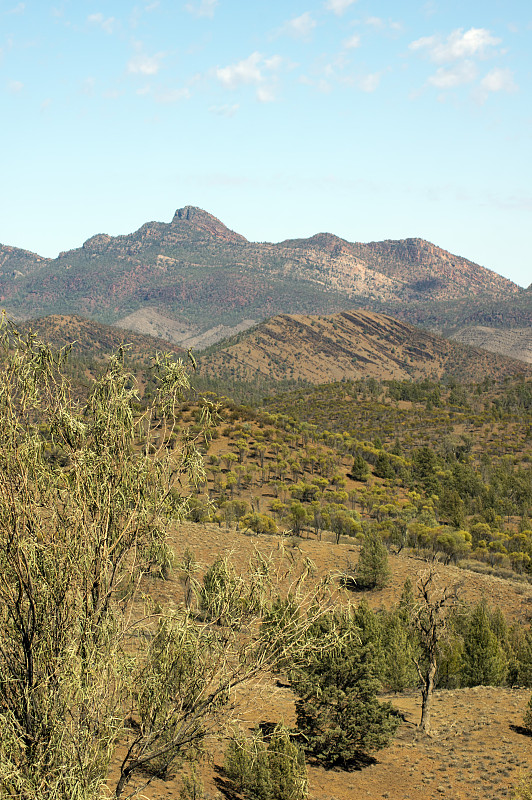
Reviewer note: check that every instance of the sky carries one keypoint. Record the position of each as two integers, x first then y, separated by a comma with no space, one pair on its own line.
370,119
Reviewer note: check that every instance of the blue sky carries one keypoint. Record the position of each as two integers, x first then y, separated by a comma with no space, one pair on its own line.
371,119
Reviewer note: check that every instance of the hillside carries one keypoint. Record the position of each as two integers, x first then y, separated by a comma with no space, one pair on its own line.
93,340
348,345
516,343
195,281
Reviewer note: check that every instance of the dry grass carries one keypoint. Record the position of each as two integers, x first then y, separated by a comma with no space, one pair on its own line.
477,750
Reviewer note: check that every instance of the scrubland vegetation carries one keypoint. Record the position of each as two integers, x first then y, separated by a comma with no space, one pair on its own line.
105,689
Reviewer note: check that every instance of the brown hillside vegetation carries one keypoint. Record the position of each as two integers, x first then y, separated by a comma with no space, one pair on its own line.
92,339
477,750
349,345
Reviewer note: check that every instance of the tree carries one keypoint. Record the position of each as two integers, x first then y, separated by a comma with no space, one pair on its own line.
484,662
87,490
360,469
435,602
371,571
338,714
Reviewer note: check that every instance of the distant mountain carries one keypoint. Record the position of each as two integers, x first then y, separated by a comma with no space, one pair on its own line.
516,342
194,281
350,345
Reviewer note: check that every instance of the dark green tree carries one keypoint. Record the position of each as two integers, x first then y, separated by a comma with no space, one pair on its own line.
372,571
360,469
338,713
484,661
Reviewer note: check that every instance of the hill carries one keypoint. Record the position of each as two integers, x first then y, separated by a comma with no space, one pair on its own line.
194,280
348,345
92,340
516,342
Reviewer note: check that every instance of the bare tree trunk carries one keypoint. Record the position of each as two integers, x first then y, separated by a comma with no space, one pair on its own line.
426,697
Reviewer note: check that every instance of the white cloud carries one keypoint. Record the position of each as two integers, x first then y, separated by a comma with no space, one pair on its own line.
243,72
352,42
202,8
108,25
449,78
499,80
225,110
265,94
300,27
369,83
15,86
375,22
87,86
338,6
152,6
19,9
459,44
168,96
142,64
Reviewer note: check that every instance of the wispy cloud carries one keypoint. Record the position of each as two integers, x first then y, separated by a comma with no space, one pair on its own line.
370,82
499,80
255,70
266,94
18,9
300,27
107,24
338,6
14,87
352,42
242,73
169,96
450,77
225,110
496,80
460,44
143,64
202,8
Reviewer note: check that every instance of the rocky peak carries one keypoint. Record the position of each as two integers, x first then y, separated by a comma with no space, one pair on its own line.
98,242
203,221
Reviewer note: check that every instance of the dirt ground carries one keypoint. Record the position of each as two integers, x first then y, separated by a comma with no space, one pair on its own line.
477,750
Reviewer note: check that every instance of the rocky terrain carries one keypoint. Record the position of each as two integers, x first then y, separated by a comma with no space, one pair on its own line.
193,281
516,342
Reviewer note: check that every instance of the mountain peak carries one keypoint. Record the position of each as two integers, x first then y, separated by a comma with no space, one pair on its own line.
203,221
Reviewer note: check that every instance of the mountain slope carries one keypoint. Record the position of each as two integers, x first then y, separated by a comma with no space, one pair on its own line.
348,345
92,340
207,279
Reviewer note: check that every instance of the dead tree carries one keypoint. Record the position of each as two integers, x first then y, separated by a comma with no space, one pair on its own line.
435,603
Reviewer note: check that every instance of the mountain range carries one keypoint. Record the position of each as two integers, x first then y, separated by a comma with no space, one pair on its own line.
194,282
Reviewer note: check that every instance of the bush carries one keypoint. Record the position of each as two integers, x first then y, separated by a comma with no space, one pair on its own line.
275,771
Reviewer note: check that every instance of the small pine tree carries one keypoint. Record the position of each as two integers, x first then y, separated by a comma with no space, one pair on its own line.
399,670
372,571
360,469
484,660
337,709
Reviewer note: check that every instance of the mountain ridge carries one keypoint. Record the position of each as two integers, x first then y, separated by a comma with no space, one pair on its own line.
208,280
